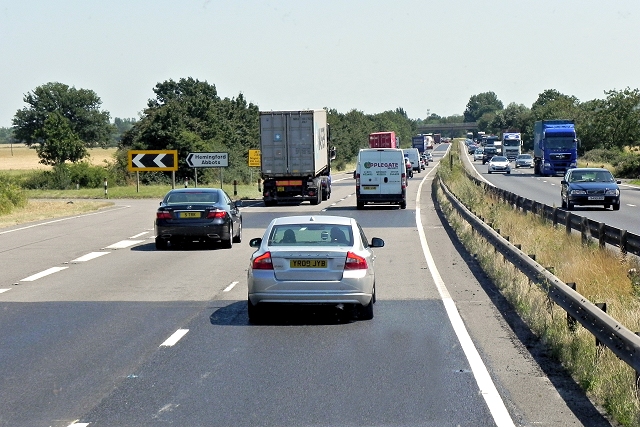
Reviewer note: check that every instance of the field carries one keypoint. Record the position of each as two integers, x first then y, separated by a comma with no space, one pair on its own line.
19,157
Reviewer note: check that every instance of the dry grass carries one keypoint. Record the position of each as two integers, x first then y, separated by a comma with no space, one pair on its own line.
38,210
20,157
600,275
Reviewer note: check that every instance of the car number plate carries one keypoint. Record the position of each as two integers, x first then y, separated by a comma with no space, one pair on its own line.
280,189
369,187
596,197
308,263
189,215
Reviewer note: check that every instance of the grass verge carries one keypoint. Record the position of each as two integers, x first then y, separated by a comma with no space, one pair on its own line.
600,275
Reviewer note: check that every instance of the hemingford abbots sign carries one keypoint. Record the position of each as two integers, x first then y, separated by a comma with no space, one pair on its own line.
208,160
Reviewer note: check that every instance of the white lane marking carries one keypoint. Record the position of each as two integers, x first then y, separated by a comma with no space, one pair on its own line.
64,219
43,273
78,424
629,204
138,235
483,379
173,339
231,286
123,244
4,290
89,256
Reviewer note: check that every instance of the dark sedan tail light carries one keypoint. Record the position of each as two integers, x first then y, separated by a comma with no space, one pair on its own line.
355,262
217,214
163,215
263,262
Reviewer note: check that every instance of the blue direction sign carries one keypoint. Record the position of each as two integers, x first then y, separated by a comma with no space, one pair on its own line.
152,160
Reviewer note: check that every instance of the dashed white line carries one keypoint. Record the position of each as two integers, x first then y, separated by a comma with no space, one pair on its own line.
124,244
173,339
78,425
43,273
89,256
231,286
4,290
139,234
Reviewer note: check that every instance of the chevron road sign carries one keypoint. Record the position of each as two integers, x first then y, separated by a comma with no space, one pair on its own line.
152,160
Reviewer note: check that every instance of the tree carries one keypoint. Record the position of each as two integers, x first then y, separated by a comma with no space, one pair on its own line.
552,104
62,143
188,115
79,107
481,104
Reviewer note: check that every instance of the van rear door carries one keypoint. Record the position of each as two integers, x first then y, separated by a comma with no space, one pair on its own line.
380,172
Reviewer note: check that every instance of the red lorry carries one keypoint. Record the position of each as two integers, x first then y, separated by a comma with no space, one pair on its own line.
383,140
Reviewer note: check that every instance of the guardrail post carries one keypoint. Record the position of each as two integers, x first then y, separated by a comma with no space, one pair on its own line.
235,187
623,241
584,227
602,306
602,241
572,323
554,216
259,185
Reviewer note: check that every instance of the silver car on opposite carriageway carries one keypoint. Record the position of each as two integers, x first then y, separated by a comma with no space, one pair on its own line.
315,260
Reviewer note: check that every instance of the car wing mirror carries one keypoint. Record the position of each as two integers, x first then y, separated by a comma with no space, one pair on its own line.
618,182
563,182
256,242
376,242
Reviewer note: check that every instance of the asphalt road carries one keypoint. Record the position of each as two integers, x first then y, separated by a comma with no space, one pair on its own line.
119,334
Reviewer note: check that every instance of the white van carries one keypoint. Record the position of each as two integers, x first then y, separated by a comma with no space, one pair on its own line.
414,157
381,177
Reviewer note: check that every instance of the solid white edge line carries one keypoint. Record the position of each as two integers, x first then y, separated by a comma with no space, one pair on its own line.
228,288
488,389
173,339
43,273
64,219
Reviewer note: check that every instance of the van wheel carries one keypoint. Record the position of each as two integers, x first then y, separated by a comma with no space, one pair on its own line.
403,205
360,205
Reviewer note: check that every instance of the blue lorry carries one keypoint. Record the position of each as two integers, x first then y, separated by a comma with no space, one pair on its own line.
555,146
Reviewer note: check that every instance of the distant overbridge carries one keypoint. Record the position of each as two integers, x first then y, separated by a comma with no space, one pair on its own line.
442,127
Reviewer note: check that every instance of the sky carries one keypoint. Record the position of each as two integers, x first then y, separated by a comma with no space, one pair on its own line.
424,56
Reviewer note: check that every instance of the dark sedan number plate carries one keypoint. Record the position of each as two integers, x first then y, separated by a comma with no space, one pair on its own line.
189,215
308,263
596,197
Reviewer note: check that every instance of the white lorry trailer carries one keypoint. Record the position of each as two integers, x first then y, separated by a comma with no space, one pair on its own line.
295,156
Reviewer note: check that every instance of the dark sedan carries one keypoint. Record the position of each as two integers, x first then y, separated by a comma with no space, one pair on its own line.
589,186
206,215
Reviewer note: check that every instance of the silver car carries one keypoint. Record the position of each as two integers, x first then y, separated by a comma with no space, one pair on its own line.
524,160
313,259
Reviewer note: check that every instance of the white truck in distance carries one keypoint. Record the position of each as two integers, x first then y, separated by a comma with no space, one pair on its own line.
511,145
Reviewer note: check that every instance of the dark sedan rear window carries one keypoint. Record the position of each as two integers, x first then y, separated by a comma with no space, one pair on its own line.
311,235
192,197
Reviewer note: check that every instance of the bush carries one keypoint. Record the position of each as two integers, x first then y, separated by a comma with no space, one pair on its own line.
68,176
11,195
